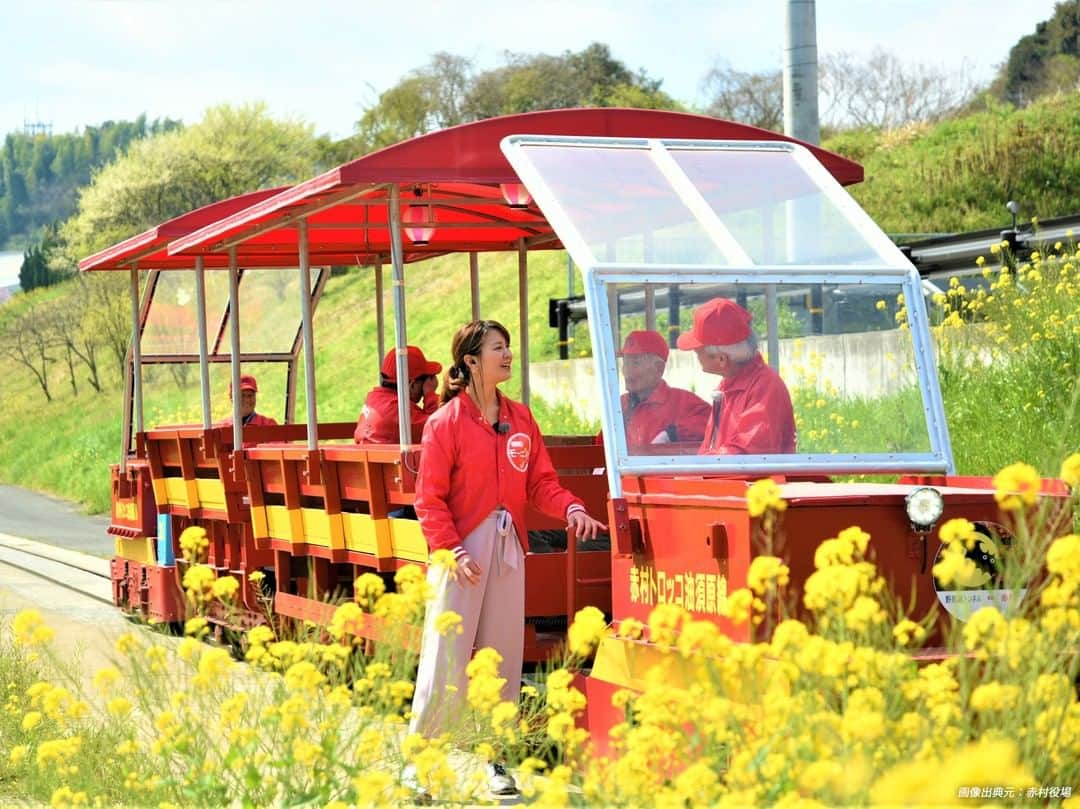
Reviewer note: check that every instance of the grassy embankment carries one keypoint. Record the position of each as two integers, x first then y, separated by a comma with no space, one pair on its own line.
66,446
956,175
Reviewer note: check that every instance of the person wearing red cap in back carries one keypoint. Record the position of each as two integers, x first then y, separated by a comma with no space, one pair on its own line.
378,421
751,412
249,388
654,412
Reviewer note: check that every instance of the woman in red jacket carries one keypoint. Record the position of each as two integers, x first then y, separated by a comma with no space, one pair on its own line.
483,459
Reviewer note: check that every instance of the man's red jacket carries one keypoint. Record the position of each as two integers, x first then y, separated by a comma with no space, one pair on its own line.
469,468
378,421
756,416
667,409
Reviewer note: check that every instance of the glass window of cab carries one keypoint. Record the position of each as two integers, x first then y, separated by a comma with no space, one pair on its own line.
743,309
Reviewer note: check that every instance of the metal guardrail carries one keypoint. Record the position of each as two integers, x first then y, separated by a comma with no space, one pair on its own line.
936,258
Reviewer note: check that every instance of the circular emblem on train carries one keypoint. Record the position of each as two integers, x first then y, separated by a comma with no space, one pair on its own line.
518,448
980,584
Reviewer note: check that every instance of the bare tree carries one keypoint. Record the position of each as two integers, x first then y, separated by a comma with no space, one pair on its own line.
750,98
108,316
74,318
882,91
29,340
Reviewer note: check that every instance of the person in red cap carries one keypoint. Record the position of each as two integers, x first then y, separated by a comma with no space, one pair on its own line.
751,412
249,389
654,412
378,420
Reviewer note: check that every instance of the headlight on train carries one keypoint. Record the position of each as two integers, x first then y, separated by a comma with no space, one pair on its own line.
924,507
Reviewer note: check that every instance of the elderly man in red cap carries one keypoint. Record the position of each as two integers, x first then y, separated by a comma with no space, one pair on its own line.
249,389
378,421
751,412
654,412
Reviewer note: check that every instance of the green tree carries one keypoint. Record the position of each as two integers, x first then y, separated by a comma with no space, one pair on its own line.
232,150
447,91
1045,60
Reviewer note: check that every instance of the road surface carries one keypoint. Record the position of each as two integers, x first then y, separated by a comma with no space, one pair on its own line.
49,519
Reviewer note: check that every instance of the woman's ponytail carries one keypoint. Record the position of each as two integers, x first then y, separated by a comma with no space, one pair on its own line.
455,380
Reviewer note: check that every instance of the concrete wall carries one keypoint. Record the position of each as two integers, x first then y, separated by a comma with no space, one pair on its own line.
867,364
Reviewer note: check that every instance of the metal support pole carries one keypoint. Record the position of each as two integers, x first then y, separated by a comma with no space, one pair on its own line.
234,348
309,345
674,307
650,298
800,72
562,320
773,320
397,257
380,321
204,363
136,365
523,318
474,284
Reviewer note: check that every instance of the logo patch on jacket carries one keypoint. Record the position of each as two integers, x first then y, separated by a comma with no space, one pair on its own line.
518,448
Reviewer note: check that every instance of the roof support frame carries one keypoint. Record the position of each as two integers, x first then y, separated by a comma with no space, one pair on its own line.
200,315
397,256
292,215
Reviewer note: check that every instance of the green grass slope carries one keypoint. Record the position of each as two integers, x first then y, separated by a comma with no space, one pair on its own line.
65,446
959,174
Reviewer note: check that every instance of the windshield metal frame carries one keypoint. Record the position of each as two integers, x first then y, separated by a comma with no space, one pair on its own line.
600,275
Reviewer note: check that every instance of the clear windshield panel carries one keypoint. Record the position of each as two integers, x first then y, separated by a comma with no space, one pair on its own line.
774,209
622,206
170,327
846,381
269,311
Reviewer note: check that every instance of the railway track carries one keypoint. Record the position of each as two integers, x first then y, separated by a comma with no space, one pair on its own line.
87,575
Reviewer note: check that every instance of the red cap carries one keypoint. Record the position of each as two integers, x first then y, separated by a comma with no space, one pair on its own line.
719,322
645,342
247,382
418,364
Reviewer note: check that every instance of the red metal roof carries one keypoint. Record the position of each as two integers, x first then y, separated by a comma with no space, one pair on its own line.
148,248
346,207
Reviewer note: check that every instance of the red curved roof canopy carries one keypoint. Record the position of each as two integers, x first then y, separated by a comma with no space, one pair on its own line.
461,168
148,248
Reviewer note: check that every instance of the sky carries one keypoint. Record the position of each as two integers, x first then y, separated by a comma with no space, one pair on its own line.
71,63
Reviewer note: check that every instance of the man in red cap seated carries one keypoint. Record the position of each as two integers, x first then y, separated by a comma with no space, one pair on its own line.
751,412
378,421
654,412
249,388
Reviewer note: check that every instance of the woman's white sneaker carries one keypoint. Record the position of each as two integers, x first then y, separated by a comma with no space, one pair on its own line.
500,782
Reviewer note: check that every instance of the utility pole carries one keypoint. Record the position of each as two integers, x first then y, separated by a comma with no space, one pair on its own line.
800,72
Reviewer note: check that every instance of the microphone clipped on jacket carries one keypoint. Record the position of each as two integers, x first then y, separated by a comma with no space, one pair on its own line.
502,428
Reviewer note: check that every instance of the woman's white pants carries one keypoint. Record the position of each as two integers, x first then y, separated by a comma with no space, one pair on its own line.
492,614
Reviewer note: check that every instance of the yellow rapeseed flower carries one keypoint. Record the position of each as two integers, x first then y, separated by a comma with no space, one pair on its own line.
586,631
193,543
1017,487
958,530
1070,471
196,627
764,495
1063,558
106,678
631,628
29,629
31,720
118,707
447,622
767,574
225,588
